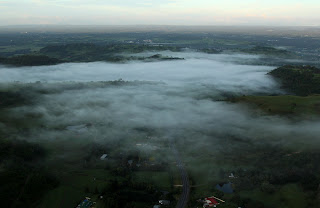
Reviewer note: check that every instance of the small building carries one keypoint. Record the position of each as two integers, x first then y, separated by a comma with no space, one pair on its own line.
164,202
211,201
103,157
231,175
130,162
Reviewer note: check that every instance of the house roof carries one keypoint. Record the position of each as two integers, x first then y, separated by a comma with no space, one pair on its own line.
211,201
104,156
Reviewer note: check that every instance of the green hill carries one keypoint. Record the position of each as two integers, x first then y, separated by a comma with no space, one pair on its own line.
303,86
300,80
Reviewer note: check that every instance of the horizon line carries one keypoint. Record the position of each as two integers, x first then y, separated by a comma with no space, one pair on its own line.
157,25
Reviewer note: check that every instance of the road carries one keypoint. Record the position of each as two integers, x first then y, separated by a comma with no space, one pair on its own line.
182,203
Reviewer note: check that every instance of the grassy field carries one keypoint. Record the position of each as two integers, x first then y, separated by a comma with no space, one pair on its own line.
284,104
63,196
73,188
287,196
159,179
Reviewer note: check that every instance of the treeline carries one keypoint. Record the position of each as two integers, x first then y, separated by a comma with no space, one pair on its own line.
300,80
273,168
271,51
91,52
29,60
68,49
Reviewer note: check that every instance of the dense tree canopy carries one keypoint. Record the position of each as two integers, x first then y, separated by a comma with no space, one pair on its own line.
301,80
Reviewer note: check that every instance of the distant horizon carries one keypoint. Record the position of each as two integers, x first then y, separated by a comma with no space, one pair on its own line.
312,31
157,25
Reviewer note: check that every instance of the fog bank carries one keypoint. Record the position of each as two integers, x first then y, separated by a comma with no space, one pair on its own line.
179,101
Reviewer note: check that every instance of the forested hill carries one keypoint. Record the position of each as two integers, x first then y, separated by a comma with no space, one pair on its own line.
85,52
300,80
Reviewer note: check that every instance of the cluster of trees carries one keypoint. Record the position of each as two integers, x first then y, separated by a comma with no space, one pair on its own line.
266,50
24,180
268,168
8,99
124,191
268,180
16,150
301,80
280,167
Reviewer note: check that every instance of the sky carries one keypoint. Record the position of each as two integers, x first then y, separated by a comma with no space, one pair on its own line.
161,12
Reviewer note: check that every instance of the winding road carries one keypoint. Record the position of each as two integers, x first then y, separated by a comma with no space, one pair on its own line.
182,203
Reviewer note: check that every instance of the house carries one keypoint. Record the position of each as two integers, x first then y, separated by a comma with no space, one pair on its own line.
164,202
103,157
210,202
130,162
231,175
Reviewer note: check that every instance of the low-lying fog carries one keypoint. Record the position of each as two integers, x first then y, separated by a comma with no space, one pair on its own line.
201,68
180,100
